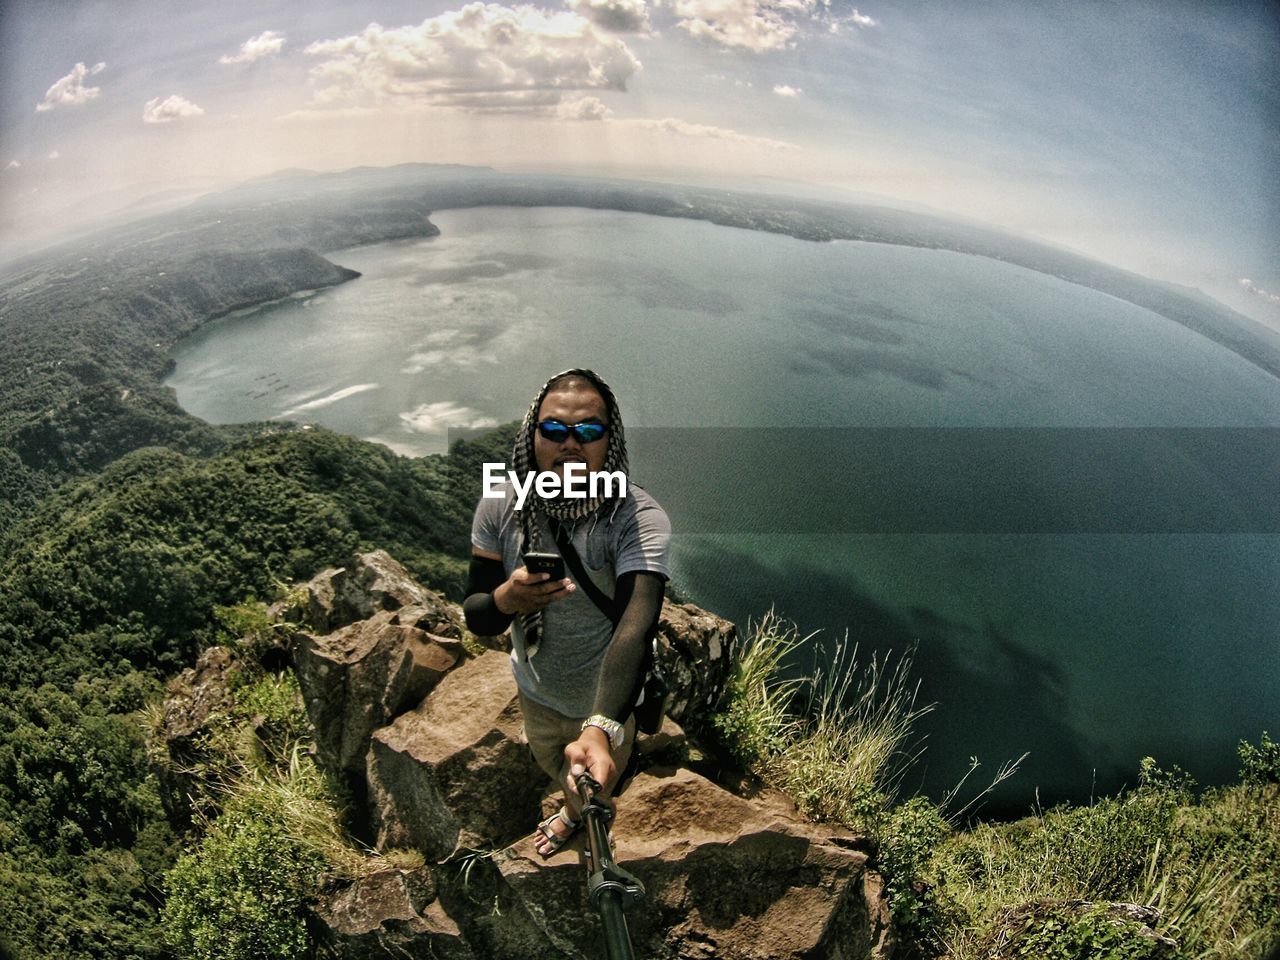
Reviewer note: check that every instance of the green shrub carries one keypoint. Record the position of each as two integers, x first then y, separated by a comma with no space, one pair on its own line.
1088,936
908,837
247,625
1259,765
241,893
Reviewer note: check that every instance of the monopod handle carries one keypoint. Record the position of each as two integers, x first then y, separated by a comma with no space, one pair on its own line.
588,787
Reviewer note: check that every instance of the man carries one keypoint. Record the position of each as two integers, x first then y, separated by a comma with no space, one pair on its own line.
579,669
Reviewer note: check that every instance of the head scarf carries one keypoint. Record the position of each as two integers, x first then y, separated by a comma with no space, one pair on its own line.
564,509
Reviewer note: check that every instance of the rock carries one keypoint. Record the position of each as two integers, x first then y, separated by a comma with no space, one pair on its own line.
670,740
390,913
1137,920
695,655
196,693
364,675
369,583
191,699
725,877
457,770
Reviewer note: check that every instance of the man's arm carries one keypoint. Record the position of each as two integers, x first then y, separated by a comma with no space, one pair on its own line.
484,576
621,674
493,599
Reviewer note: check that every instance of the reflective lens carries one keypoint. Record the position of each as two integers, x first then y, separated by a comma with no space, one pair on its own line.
558,432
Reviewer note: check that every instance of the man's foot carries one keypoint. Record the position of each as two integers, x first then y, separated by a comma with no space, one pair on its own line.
554,832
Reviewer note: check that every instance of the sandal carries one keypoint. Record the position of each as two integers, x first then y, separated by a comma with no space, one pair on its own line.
557,840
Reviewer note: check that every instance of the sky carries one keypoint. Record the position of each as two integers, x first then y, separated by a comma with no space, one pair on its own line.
1146,134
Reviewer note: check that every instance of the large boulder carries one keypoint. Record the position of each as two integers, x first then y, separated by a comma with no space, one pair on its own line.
389,913
695,654
725,876
368,583
362,676
457,770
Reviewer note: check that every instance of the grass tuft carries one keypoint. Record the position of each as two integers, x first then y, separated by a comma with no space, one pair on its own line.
839,741
836,742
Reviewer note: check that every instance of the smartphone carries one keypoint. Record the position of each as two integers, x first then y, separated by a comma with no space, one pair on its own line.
551,563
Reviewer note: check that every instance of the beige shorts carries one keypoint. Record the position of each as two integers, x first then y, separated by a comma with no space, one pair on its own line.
549,732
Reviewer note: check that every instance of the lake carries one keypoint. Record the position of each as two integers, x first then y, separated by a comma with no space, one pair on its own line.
918,447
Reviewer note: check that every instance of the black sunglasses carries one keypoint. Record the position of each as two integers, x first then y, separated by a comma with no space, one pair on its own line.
558,432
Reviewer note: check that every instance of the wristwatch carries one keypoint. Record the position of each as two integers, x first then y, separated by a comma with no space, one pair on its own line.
612,728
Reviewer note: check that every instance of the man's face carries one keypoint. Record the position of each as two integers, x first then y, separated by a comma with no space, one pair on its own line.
576,404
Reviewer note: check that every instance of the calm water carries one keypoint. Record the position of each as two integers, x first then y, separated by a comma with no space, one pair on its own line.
1090,649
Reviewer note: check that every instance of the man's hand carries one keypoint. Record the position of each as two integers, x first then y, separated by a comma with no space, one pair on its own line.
527,592
590,753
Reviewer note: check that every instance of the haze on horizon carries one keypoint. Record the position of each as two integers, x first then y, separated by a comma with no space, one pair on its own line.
1145,134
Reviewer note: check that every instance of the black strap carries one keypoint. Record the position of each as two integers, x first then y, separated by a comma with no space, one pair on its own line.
580,576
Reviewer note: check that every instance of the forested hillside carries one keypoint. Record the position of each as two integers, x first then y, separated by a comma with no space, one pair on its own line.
114,584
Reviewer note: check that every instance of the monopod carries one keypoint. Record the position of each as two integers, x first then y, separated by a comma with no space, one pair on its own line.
611,888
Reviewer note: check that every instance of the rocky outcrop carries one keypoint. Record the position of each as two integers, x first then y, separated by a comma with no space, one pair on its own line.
695,655
456,771
363,675
725,876
389,641
391,913
192,699
370,582
432,743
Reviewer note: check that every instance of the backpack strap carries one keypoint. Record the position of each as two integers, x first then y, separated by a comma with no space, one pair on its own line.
580,575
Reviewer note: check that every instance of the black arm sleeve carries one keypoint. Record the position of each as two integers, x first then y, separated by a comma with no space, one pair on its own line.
639,596
483,617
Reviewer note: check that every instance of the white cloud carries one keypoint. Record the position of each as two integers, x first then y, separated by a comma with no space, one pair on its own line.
583,108
328,400
1258,291
855,18
686,129
758,25
619,16
434,417
13,165
482,57
783,90
70,91
169,109
266,44
54,154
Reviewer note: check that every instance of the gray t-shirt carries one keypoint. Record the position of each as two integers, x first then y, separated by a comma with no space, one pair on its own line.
633,536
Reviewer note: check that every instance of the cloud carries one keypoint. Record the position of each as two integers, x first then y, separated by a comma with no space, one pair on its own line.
169,109
618,16
54,154
1258,291
482,57
783,90
266,44
329,399
758,25
13,165
70,91
434,417
686,129
583,108
855,18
